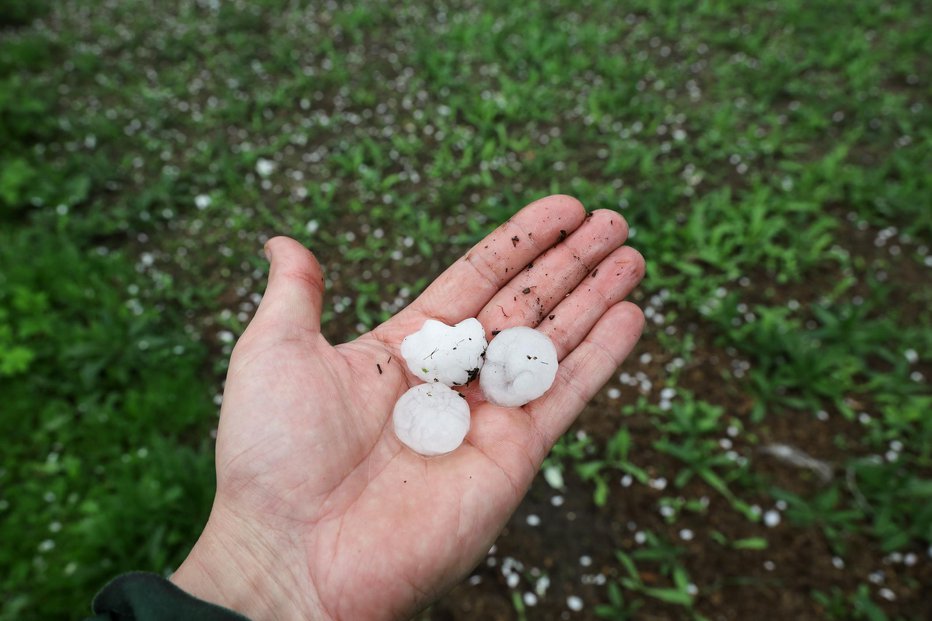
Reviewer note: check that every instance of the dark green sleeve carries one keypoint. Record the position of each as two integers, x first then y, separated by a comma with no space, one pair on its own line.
139,596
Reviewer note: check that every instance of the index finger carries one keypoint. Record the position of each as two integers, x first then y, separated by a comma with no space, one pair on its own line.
468,285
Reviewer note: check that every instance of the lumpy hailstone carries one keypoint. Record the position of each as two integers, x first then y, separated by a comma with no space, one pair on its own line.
520,366
450,355
431,419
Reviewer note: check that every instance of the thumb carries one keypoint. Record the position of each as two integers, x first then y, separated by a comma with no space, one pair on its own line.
294,296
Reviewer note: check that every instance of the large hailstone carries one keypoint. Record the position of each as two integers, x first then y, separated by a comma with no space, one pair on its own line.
450,355
431,419
520,366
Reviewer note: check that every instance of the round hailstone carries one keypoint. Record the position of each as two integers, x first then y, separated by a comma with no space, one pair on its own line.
450,355
431,419
520,366
574,603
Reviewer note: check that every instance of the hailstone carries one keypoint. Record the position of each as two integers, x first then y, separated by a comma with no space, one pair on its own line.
520,366
431,419
449,355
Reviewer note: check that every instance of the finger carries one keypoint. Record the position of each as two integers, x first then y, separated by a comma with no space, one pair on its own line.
294,296
467,285
584,371
609,283
530,296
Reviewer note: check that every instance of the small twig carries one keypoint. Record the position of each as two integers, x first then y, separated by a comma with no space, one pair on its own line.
800,459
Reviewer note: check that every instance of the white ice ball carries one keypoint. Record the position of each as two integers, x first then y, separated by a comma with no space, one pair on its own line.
520,366
431,419
450,355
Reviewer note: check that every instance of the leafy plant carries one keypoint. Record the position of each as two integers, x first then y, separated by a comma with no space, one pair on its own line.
617,608
678,594
857,605
824,510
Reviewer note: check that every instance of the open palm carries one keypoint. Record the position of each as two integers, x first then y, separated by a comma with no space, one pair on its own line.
320,512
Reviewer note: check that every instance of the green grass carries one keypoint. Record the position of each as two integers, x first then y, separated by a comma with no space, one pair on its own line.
100,471
748,144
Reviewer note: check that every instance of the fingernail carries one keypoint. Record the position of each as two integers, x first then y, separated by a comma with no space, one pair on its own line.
268,252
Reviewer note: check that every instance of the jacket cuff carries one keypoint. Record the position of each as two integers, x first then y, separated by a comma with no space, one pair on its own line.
141,596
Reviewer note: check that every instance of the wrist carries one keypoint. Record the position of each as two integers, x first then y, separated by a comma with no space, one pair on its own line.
233,566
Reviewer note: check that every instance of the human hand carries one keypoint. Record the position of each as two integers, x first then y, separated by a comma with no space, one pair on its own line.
320,512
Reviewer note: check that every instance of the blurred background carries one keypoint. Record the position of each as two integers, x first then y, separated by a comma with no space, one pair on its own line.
765,453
